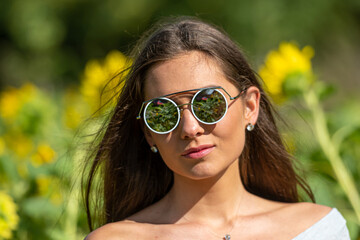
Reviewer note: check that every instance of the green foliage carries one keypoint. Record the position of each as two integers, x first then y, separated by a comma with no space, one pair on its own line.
36,164
331,152
288,74
49,42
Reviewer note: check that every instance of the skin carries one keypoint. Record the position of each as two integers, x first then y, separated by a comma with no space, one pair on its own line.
208,198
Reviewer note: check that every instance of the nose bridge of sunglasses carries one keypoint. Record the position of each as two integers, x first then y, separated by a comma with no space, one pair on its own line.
181,108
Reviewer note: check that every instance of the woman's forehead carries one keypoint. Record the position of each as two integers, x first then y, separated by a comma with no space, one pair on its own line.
188,71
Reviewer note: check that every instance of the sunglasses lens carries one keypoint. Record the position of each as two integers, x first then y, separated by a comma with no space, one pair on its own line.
161,115
209,106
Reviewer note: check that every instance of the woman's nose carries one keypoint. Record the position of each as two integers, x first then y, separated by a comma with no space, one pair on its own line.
190,127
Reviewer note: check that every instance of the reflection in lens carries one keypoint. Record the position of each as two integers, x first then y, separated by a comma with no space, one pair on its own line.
161,115
209,105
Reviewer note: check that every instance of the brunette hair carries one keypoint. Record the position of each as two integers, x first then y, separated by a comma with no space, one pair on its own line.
132,177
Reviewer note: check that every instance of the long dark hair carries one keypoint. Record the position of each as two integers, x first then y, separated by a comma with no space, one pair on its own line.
131,177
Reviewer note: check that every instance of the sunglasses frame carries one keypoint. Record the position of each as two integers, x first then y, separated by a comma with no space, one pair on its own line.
198,90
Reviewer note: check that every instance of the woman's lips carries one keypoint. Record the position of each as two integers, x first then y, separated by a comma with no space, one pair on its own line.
198,152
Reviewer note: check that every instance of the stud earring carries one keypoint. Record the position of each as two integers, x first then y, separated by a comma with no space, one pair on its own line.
250,127
154,149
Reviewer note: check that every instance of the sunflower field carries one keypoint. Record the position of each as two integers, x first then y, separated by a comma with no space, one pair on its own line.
59,62
39,163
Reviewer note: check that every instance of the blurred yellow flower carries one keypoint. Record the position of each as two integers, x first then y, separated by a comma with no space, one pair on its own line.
74,109
72,117
2,146
43,184
22,169
9,103
98,85
44,154
46,185
288,59
8,216
20,144
12,99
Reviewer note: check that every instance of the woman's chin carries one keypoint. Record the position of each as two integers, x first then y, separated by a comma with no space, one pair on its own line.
205,170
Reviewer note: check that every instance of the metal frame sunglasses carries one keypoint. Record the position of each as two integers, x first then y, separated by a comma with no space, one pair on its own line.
208,105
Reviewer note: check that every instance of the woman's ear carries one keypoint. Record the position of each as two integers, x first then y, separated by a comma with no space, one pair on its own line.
252,104
147,134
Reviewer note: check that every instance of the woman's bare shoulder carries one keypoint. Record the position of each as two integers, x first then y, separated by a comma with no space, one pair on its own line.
305,213
299,216
141,225
310,212
307,210
116,231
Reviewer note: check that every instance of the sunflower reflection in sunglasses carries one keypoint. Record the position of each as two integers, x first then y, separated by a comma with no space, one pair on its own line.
208,105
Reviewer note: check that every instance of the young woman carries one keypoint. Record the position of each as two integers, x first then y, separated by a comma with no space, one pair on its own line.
192,150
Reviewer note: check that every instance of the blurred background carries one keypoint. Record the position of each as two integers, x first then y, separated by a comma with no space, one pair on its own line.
56,56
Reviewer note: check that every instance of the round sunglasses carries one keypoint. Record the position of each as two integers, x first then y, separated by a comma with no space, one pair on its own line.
208,105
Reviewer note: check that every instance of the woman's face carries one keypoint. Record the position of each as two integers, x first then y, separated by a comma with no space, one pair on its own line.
195,150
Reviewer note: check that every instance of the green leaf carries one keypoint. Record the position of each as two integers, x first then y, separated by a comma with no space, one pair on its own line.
324,90
295,84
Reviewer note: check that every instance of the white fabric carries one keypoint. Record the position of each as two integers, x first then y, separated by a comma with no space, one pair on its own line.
330,227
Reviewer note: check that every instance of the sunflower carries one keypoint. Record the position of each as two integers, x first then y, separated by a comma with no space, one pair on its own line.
282,64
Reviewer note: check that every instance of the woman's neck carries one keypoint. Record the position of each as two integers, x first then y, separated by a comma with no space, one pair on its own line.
209,201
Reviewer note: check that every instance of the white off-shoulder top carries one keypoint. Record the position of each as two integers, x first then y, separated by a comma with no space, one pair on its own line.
330,227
